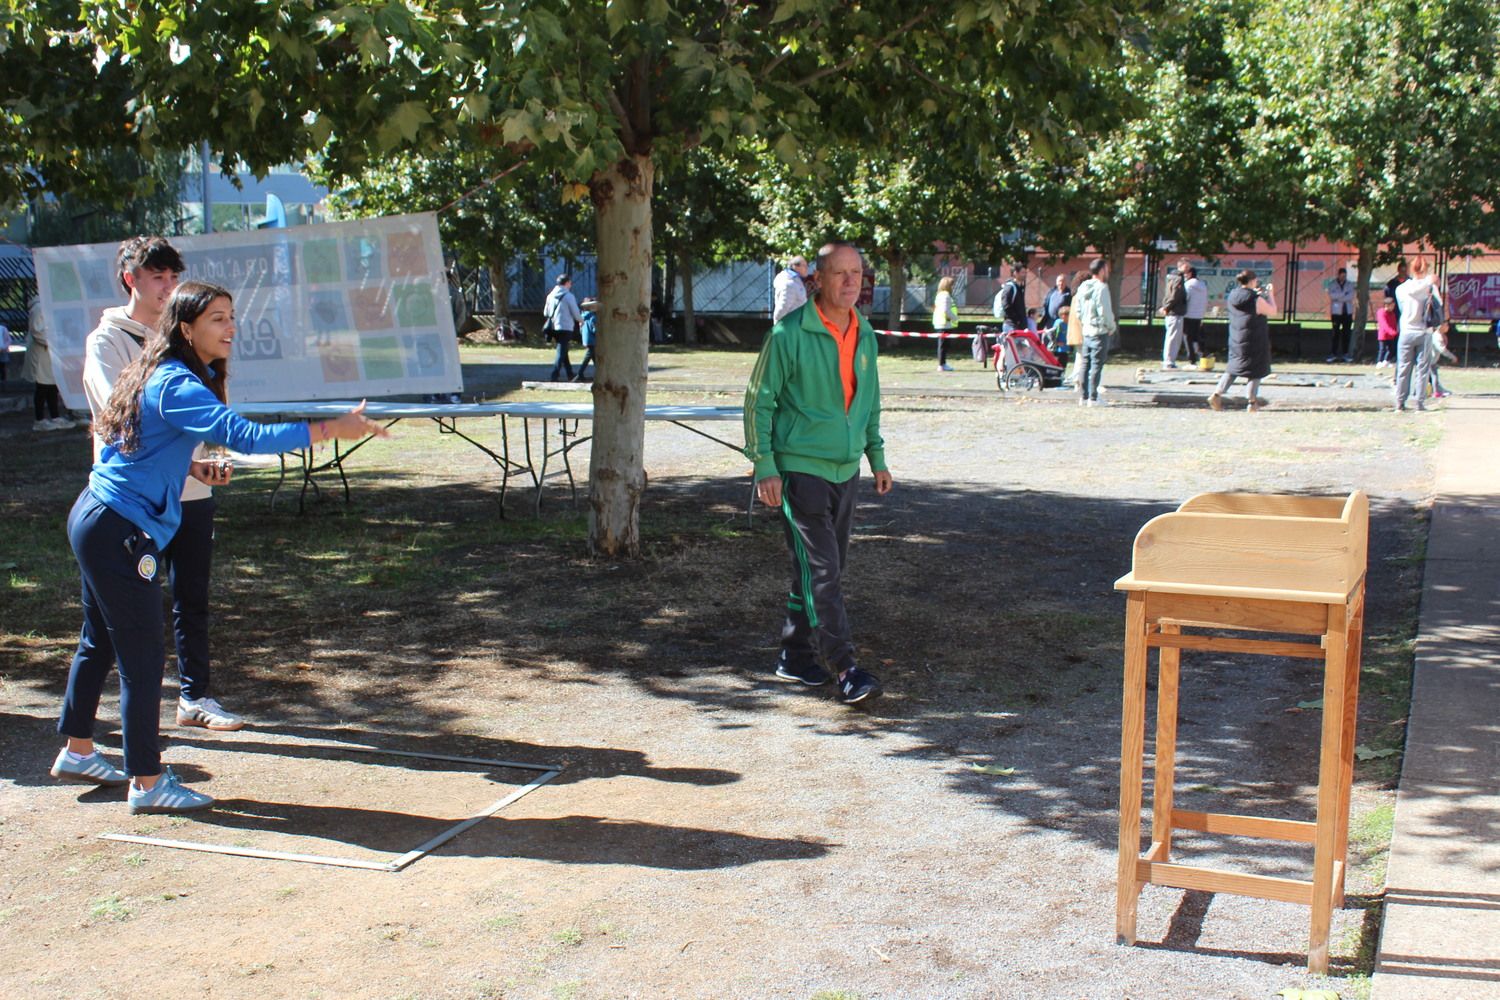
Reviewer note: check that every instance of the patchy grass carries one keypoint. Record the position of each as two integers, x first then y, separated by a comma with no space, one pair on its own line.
111,907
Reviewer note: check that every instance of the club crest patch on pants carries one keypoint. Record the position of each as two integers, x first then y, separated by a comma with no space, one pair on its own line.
147,567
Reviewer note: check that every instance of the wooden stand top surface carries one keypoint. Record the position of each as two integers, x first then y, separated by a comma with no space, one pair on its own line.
1254,546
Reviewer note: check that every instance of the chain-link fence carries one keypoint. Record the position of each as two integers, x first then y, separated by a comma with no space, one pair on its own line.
730,288
529,282
1221,275
17,286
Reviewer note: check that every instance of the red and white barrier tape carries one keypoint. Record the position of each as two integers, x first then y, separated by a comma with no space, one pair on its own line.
946,335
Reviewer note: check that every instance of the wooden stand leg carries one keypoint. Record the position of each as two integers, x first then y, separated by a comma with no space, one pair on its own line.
1330,764
1132,747
1352,660
1166,748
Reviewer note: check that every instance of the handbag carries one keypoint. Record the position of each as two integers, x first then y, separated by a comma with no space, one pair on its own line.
1432,313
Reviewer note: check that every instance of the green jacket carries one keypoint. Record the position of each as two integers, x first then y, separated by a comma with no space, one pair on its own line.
794,405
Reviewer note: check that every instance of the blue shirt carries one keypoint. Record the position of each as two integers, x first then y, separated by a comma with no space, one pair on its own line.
590,326
177,411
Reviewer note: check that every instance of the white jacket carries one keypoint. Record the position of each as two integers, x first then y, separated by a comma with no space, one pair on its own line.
789,292
116,342
1340,298
562,309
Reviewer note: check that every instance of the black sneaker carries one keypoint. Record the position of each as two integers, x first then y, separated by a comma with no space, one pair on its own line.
810,674
858,685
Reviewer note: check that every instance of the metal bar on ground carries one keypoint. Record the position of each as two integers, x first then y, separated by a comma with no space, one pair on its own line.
395,864
419,852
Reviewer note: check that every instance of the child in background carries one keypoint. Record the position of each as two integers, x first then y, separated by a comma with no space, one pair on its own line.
1056,335
1385,334
1031,320
590,331
1438,345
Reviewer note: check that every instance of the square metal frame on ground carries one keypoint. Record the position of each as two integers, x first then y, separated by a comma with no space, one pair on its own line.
395,864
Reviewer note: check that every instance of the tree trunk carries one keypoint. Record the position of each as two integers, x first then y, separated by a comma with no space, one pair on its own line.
689,319
1116,255
499,293
1367,251
617,470
896,261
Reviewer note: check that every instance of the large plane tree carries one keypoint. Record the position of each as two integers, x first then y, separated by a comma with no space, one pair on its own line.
594,90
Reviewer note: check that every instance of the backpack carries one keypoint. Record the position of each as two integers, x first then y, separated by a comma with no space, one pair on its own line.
549,315
1008,297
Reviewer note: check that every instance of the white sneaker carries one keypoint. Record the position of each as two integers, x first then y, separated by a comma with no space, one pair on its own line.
206,713
43,425
168,795
945,368
62,424
93,769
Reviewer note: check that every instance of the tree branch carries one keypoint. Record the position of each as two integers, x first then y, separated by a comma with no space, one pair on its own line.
627,130
814,26
840,67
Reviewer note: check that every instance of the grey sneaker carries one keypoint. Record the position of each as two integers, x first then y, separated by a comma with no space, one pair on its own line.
91,770
168,795
206,713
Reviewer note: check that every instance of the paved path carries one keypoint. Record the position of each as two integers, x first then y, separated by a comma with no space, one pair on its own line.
1442,925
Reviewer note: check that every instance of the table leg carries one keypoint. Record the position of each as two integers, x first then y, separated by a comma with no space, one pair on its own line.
563,434
540,477
1132,747
280,477
504,461
338,463
1166,744
1352,659
1330,760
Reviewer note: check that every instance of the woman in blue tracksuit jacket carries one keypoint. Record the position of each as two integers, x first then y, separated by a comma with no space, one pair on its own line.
164,404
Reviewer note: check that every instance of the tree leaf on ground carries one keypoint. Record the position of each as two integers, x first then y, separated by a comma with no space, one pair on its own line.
1310,704
1365,753
1003,772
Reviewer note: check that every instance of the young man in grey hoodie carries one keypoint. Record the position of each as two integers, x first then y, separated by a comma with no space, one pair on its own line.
148,270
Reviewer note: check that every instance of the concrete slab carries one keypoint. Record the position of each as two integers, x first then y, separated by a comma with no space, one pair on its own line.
1441,935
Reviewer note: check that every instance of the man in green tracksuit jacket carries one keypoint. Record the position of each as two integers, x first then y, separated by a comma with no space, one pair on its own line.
811,410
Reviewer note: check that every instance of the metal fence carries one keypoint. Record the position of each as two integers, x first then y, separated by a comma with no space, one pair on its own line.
529,282
745,288
17,286
730,288
1220,275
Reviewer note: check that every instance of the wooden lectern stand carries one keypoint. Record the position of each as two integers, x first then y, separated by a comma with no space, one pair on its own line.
1243,562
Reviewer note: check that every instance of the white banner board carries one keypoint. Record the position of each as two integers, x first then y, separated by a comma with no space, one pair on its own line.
344,310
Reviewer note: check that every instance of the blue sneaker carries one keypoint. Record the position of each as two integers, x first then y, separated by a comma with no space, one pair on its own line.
91,770
810,674
168,795
856,685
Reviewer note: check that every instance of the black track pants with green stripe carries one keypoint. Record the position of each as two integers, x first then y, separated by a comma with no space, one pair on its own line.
817,516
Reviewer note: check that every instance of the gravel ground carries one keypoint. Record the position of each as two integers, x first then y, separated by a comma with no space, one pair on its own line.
716,834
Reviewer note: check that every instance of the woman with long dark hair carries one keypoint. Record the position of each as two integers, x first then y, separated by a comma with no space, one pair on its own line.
165,403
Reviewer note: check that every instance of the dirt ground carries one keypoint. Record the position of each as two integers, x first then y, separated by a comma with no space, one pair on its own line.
713,833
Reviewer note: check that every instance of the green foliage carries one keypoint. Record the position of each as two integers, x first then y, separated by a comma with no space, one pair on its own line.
1169,162
1376,117
484,219
705,211
74,218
